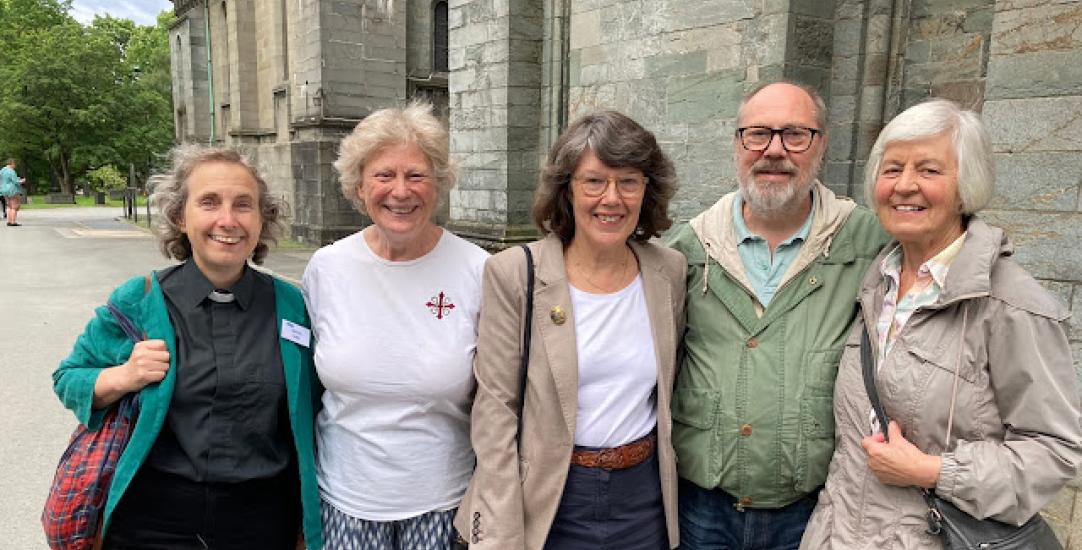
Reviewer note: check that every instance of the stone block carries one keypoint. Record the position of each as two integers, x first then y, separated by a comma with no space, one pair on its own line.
962,50
622,24
631,69
693,40
837,176
848,37
1035,124
822,9
574,68
1046,243
585,29
969,94
845,76
1051,27
1007,5
1035,74
677,15
703,97
676,64
842,108
594,55
840,143
1037,181
943,25
922,8
979,20
811,42
724,58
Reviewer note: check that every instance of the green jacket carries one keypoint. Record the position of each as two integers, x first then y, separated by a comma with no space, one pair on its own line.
104,345
753,404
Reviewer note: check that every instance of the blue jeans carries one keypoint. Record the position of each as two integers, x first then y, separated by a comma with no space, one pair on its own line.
709,520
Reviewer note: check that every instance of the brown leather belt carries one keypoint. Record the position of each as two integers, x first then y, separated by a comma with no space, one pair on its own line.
617,458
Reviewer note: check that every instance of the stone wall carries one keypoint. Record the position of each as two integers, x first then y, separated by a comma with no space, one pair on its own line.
290,79
496,118
1033,106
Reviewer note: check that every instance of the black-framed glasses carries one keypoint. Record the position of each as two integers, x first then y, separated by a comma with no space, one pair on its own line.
794,139
627,186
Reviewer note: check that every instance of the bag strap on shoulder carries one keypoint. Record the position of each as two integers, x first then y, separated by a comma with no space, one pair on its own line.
526,332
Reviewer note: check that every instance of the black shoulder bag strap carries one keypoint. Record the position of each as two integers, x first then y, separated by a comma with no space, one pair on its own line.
526,331
867,363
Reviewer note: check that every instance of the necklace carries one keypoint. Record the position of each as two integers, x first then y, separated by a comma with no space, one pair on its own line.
620,272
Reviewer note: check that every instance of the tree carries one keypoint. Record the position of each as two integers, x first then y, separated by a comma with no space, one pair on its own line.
80,96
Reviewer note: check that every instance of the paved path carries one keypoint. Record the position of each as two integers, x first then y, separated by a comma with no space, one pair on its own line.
56,269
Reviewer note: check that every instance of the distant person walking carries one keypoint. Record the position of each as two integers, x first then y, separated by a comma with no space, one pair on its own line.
10,190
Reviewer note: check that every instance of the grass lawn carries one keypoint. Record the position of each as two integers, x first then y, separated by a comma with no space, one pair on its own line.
37,202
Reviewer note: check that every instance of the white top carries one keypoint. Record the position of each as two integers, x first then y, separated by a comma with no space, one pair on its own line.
617,366
394,349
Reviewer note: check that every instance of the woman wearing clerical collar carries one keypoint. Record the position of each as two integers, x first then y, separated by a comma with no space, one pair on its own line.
222,453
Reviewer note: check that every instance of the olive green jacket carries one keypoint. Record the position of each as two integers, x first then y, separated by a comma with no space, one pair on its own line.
753,403
103,345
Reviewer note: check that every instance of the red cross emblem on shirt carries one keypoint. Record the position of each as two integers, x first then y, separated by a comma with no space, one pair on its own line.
440,305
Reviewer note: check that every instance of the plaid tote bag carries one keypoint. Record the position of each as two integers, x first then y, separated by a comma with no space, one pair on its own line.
76,500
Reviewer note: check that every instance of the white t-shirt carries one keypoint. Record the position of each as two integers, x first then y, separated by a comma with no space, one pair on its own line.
617,367
394,349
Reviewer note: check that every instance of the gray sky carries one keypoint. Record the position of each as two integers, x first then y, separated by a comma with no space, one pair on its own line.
143,12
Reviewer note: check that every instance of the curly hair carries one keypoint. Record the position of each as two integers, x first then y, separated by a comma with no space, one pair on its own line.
618,142
384,128
171,194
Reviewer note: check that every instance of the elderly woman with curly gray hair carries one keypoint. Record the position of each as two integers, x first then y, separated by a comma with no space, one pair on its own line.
222,453
967,353
394,313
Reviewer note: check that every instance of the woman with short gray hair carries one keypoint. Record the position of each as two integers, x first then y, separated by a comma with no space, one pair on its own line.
222,455
969,356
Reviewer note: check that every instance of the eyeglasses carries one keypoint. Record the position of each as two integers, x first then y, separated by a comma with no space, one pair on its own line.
794,139
627,186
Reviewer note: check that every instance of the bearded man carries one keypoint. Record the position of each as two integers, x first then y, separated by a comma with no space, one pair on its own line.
773,272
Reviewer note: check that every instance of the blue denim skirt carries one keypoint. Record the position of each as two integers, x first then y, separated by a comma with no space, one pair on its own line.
611,510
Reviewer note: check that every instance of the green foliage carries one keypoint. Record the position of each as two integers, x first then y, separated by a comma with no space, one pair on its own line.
105,178
74,96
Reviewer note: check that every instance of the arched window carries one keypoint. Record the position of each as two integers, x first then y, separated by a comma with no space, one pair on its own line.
439,36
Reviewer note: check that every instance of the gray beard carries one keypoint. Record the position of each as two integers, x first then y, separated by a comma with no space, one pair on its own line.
773,200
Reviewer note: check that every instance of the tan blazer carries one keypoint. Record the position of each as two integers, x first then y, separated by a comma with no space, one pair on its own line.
516,488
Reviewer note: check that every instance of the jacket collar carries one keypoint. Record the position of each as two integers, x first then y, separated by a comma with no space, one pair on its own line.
970,275
558,338
717,233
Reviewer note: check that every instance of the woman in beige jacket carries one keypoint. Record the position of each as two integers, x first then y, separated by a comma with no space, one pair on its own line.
593,465
953,322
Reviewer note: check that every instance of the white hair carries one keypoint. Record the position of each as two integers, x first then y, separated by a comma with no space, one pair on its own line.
972,148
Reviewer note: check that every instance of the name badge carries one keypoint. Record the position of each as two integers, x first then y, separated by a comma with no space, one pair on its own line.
296,333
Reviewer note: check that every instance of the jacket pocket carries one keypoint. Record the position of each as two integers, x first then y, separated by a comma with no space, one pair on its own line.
942,359
695,407
816,442
820,371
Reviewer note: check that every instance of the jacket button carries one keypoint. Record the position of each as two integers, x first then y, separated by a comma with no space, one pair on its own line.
745,501
745,430
752,342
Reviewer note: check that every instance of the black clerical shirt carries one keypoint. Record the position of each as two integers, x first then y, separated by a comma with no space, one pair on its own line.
228,420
